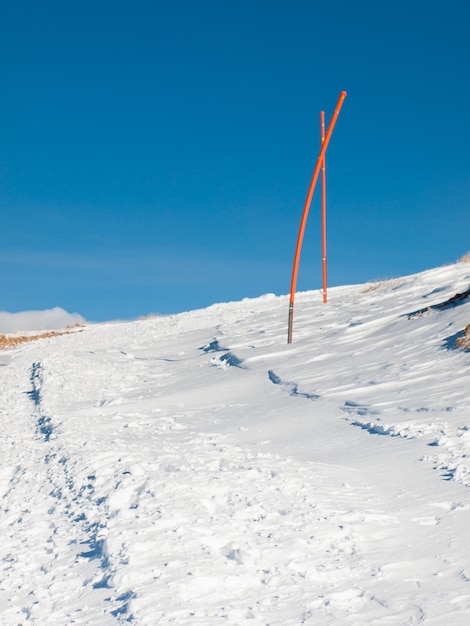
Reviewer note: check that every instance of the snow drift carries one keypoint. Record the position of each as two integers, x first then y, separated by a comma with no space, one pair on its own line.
196,470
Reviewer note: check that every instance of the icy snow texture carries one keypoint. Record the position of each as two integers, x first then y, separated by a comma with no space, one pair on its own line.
196,470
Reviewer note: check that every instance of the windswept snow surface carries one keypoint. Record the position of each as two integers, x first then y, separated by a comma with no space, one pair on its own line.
197,470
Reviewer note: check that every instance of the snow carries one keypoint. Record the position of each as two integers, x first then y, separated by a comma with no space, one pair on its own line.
196,470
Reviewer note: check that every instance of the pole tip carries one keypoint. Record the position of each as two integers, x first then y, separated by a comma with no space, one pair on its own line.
344,94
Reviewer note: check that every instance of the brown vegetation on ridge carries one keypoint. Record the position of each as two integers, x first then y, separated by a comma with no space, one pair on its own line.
13,341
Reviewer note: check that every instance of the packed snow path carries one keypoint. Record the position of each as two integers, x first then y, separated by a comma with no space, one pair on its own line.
195,469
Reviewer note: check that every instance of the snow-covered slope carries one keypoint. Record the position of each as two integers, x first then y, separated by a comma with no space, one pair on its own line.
197,470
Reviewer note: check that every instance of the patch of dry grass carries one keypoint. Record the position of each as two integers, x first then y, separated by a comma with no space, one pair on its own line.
8,341
464,341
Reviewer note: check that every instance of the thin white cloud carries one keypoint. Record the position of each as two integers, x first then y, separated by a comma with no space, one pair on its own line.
49,319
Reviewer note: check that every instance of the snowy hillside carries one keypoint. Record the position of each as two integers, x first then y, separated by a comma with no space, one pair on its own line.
196,470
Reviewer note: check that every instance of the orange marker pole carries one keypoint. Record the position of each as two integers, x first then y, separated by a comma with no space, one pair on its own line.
303,221
323,207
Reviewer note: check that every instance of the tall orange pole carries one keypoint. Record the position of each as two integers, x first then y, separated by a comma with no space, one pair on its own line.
303,222
323,208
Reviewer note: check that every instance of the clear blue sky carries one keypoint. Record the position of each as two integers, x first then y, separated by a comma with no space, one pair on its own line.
155,156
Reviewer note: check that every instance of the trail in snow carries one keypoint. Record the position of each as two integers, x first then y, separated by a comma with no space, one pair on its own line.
197,470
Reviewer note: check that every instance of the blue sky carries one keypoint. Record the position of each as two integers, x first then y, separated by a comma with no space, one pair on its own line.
155,156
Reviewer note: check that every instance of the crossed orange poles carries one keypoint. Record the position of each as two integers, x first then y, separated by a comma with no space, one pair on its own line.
325,139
